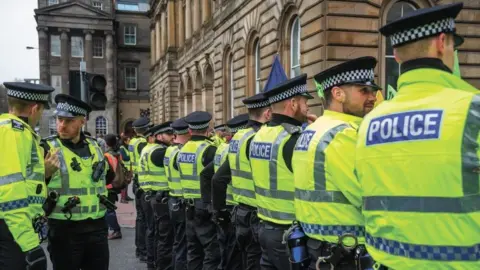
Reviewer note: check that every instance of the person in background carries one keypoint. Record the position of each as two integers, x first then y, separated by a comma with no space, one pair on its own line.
124,141
116,171
220,133
101,142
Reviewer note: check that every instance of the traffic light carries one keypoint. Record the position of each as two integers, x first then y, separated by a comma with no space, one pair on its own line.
96,91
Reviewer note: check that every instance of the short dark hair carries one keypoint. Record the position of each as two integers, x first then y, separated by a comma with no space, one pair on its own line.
328,98
87,133
111,140
257,113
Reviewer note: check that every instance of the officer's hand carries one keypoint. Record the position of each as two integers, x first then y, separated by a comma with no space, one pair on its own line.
311,118
52,163
36,259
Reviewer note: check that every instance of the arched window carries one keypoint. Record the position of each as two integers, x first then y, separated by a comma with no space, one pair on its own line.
258,82
232,88
295,48
100,126
392,68
52,126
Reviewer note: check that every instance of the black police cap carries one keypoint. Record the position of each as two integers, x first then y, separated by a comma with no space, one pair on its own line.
256,102
38,93
198,120
293,87
359,71
69,106
221,127
237,123
180,126
142,122
423,23
164,128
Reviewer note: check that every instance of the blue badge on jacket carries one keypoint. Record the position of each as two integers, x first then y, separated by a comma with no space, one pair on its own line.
304,141
233,146
261,150
17,125
187,158
406,126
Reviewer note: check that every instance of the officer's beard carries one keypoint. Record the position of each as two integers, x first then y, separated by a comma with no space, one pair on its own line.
349,109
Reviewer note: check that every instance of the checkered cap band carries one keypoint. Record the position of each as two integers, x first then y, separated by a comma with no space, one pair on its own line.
446,25
71,108
181,131
359,75
294,91
199,127
222,128
162,130
27,95
257,105
235,129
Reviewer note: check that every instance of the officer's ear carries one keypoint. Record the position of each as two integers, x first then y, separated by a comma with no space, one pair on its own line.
338,94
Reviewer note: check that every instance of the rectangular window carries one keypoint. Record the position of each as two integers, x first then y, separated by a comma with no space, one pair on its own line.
98,5
130,35
97,47
128,7
130,78
52,2
56,83
77,47
55,45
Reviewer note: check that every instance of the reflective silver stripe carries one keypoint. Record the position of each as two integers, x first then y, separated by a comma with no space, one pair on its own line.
64,176
34,160
470,160
40,177
194,175
175,179
176,191
80,209
11,178
191,191
4,122
275,214
151,173
273,164
229,197
321,196
171,159
135,154
80,191
242,174
277,194
237,156
153,183
243,192
458,205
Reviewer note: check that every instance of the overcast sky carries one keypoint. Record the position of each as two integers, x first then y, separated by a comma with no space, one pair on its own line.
19,30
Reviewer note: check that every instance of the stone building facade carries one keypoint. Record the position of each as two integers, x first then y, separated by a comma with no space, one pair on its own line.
113,40
210,54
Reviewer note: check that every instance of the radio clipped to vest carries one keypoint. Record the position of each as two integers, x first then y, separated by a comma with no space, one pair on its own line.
50,202
69,205
106,202
98,170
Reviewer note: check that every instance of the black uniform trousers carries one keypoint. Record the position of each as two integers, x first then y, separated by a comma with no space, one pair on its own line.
140,226
176,208
163,231
203,252
74,248
11,255
231,257
150,228
274,253
246,230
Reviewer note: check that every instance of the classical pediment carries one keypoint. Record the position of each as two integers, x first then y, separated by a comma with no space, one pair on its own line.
73,8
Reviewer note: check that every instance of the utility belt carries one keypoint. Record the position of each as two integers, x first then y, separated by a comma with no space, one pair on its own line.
245,215
176,203
337,255
274,226
159,196
196,207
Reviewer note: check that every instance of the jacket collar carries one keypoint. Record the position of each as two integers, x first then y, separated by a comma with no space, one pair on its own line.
278,119
433,63
342,116
24,121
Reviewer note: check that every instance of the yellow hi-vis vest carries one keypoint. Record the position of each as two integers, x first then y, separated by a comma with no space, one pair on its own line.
150,176
171,173
126,163
220,157
327,193
22,179
68,182
243,187
190,165
134,155
274,188
417,160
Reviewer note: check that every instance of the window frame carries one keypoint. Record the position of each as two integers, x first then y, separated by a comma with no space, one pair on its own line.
295,26
125,34
52,2
96,39
258,69
232,86
123,6
101,124
59,46
97,2
126,78
82,47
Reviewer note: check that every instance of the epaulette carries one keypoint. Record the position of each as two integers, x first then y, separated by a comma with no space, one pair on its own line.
291,129
17,125
50,138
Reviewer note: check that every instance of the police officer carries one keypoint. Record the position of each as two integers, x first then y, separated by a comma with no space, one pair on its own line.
124,140
198,152
22,176
176,203
271,159
421,208
154,183
140,126
78,231
327,193
220,134
240,178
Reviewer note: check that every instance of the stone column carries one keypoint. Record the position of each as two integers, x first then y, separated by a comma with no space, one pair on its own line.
181,103
171,24
65,59
196,15
163,28
185,105
206,10
43,50
158,43
207,98
152,46
188,27
89,50
181,24
110,108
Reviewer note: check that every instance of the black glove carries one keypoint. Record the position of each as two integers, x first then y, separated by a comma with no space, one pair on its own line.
139,193
36,259
222,218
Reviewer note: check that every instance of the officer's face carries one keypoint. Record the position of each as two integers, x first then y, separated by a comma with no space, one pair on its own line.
166,138
359,100
300,107
69,128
